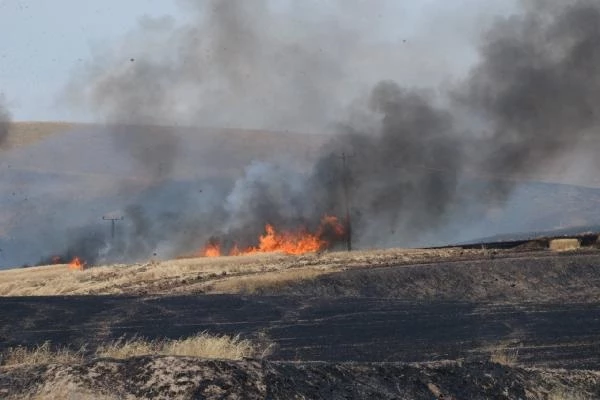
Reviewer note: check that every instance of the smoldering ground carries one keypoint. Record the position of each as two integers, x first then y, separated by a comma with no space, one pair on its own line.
432,146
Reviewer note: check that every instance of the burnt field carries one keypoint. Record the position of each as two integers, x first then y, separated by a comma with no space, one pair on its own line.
409,313
496,323
341,329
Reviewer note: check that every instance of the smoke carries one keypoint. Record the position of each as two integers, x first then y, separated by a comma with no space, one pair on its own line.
436,130
533,98
403,172
538,84
265,65
5,120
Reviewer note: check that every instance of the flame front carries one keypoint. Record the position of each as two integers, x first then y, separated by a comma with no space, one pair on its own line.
212,249
77,264
290,242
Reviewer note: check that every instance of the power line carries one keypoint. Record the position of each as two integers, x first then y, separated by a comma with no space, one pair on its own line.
347,205
113,221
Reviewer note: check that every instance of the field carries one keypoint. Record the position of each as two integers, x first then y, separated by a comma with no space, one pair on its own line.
483,323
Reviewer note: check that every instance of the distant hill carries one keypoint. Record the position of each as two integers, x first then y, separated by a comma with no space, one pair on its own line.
25,133
62,148
539,209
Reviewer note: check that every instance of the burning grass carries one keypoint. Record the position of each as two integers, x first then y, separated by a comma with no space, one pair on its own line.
297,242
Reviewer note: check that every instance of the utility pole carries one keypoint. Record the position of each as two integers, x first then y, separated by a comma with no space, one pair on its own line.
113,221
345,158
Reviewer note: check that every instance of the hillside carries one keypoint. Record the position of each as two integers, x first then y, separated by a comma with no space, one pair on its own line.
218,149
25,133
452,274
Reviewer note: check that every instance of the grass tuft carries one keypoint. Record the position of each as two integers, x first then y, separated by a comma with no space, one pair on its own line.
564,244
42,354
207,346
505,356
202,345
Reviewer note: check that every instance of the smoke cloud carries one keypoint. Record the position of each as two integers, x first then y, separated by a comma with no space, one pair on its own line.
538,84
429,145
5,120
532,99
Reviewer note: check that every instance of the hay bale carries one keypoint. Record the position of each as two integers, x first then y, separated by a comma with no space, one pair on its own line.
564,244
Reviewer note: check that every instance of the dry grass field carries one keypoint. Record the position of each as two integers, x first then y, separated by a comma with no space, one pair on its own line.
449,273
206,275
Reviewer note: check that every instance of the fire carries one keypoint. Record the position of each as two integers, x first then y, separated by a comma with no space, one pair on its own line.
288,242
77,264
235,251
212,249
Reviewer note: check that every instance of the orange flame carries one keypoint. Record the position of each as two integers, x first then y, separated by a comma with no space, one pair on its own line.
288,242
212,249
235,251
77,264
294,243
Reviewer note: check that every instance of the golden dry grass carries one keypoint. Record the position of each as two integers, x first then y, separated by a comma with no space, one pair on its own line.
42,354
564,244
251,283
208,275
504,353
505,356
202,345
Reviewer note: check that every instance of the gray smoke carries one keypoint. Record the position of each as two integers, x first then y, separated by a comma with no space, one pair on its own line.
5,120
403,172
423,155
533,98
292,66
538,84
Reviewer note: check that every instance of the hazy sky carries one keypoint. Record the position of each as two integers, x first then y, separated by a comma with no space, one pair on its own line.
42,42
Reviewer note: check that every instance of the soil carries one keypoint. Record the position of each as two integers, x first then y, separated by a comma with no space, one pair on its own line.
188,378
